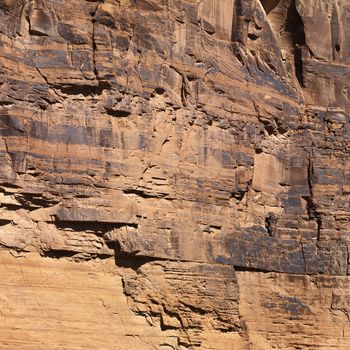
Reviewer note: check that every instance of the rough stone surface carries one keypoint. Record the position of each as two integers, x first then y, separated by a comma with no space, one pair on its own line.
184,161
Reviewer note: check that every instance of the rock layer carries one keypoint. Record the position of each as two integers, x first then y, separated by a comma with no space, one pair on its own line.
199,146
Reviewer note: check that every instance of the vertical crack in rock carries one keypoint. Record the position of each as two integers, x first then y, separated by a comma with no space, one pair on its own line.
289,29
303,255
94,45
295,26
311,205
335,33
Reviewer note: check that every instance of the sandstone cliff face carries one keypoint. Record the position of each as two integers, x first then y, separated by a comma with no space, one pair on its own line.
174,174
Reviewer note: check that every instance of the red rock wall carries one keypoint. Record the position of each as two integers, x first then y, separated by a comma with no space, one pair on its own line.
199,146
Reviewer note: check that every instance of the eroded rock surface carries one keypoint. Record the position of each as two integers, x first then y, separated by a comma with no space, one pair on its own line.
201,148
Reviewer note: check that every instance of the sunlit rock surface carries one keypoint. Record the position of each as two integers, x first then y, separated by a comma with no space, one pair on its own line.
174,174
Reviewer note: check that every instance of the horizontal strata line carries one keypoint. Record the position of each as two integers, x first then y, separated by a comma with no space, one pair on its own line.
236,267
70,135
48,150
257,270
59,160
147,259
272,90
44,286
254,269
93,136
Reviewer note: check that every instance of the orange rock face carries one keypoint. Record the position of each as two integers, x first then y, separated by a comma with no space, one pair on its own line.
174,174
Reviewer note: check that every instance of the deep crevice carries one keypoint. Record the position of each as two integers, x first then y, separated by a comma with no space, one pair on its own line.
4,222
85,90
35,32
125,260
12,207
269,5
335,32
131,261
139,193
295,26
298,64
98,228
268,126
292,33
117,113
253,37
270,222
5,184
77,256
310,204
158,91
251,269
34,201
58,254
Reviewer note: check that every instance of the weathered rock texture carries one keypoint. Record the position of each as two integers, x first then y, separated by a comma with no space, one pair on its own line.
174,174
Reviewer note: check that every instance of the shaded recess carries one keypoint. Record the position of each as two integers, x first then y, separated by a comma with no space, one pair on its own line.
295,26
269,5
287,22
132,261
335,34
